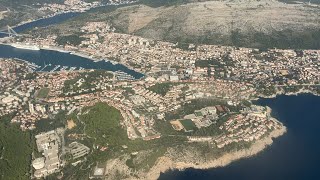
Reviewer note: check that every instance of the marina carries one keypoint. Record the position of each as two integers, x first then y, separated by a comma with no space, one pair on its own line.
53,61
293,156
120,75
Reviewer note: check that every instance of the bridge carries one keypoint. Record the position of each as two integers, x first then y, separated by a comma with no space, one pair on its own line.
11,32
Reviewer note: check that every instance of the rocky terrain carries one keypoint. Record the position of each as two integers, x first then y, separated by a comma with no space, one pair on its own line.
239,22
249,23
187,157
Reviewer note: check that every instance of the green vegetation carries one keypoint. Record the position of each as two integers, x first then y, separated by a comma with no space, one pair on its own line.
289,39
246,103
209,150
87,80
30,76
74,40
43,93
149,158
27,2
128,91
159,3
208,63
164,127
155,149
266,90
296,2
188,125
212,130
161,88
285,39
183,46
194,105
134,65
280,39
292,89
102,124
58,121
15,151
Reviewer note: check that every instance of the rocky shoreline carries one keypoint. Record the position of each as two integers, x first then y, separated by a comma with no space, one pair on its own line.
164,163
301,91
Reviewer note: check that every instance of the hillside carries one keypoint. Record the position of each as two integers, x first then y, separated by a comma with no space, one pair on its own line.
242,23
262,24
13,12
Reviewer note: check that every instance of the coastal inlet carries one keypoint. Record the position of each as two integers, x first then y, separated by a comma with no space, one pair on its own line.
50,61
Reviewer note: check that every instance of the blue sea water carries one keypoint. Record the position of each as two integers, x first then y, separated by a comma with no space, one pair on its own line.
293,156
45,57
44,22
59,18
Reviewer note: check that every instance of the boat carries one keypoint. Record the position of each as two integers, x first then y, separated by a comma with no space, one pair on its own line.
55,68
72,68
25,46
112,62
120,75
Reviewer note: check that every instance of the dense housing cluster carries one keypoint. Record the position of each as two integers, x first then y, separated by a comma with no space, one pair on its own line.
200,92
271,70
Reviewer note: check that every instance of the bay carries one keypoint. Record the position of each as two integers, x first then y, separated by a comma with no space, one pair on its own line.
44,58
43,22
48,59
293,156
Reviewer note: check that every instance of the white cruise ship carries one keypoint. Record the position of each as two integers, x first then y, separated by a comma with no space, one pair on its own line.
25,46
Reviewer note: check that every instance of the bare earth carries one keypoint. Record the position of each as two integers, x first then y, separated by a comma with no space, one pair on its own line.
71,124
245,23
219,17
2,14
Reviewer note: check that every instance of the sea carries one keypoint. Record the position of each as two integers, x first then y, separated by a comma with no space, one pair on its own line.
49,60
44,22
293,156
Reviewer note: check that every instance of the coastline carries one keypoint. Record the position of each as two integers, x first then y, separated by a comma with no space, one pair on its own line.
58,14
80,54
282,92
164,163
81,10
83,55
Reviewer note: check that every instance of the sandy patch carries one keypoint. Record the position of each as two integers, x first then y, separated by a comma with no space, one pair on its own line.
2,14
71,124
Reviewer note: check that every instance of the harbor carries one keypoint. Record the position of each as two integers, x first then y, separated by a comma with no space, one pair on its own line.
52,61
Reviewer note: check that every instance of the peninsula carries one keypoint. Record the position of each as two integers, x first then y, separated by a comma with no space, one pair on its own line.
131,129
193,108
